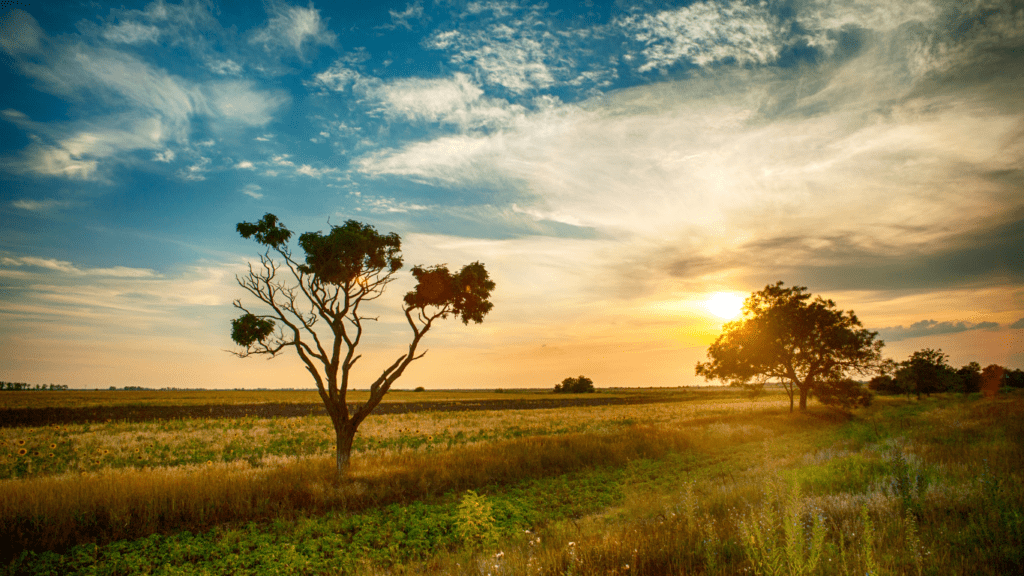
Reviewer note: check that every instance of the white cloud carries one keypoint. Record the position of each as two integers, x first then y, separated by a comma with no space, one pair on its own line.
51,161
292,27
164,156
239,101
412,12
253,190
197,171
150,108
72,270
705,33
390,205
132,33
337,77
40,205
307,170
20,34
245,165
225,67
514,55
456,100
669,168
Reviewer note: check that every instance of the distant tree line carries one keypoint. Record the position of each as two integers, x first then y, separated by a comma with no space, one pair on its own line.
928,371
25,386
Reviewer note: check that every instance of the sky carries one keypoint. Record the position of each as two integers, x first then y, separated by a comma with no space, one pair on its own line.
614,165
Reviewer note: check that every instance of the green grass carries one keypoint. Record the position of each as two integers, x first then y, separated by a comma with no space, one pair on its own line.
907,487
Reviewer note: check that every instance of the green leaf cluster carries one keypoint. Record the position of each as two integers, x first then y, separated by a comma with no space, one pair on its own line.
463,294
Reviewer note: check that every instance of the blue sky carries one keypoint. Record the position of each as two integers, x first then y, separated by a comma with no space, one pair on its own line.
614,164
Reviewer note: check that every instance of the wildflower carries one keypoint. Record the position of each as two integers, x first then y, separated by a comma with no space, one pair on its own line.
209,462
499,555
21,442
136,449
52,446
51,455
22,452
104,452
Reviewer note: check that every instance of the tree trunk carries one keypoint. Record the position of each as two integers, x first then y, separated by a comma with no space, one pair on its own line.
346,434
803,399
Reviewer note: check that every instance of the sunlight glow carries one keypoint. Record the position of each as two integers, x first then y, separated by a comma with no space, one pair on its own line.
725,305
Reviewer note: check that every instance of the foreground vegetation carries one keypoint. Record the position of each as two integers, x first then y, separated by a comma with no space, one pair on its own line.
719,486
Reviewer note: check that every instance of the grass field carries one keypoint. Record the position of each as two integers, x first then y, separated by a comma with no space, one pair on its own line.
706,482
90,398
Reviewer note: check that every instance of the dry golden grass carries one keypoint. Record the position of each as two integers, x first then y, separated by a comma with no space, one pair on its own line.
53,512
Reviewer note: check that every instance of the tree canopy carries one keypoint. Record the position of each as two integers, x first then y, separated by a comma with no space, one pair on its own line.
926,371
312,306
785,336
578,385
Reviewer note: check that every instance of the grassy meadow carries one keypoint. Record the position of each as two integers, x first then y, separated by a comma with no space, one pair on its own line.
704,482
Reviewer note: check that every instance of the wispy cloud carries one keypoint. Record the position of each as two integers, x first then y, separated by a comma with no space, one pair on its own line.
404,19
253,190
68,268
704,33
49,205
147,107
518,54
293,27
931,328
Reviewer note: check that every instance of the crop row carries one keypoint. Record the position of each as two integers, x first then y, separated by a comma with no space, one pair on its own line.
82,448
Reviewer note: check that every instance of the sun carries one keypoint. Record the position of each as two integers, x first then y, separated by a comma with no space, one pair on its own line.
725,305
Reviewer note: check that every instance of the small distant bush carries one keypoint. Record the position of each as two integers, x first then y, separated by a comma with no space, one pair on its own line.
575,385
420,389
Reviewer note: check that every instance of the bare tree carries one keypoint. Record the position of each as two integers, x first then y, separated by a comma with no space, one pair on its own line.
314,308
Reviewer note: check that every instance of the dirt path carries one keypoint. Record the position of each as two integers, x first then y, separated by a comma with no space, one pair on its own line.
16,417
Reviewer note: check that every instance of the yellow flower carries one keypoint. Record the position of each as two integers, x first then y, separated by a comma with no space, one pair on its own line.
22,452
51,455
52,446
21,442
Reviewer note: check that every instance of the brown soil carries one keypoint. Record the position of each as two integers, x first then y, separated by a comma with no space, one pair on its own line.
16,417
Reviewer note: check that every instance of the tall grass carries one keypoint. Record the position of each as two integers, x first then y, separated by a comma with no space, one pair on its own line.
906,488
59,511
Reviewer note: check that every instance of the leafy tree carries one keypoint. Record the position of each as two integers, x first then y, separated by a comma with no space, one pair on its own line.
992,378
575,385
313,307
968,378
884,384
926,371
1014,378
787,337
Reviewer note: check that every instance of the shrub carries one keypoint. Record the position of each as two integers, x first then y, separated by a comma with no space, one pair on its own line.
575,385
845,394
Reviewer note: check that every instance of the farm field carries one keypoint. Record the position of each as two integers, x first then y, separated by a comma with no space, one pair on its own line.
107,398
700,482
